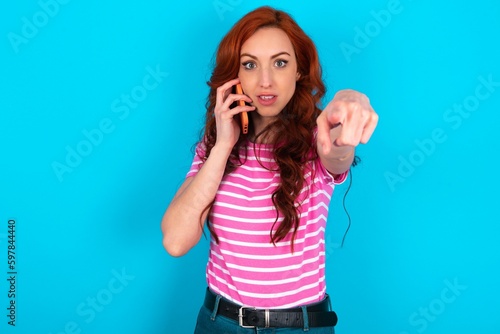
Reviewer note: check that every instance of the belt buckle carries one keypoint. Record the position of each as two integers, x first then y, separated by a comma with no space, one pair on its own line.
241,315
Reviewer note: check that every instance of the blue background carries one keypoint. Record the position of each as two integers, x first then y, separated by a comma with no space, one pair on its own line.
423,206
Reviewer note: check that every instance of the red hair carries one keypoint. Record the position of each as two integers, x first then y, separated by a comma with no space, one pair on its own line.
294,125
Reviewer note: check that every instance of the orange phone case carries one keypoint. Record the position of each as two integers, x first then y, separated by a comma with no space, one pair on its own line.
244,114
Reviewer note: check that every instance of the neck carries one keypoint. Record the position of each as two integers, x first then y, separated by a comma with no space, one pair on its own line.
259,124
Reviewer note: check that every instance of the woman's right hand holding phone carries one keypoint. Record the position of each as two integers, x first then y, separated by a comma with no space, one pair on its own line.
228,129
183,221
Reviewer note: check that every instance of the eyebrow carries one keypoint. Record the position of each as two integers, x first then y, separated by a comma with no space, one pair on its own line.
273,56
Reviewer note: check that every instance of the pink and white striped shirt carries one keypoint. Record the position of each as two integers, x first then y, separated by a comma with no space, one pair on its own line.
245,267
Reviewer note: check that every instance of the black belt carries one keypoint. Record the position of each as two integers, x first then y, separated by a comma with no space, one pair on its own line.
318,314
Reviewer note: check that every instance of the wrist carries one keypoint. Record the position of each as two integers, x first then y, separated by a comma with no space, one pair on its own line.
221,150
342,153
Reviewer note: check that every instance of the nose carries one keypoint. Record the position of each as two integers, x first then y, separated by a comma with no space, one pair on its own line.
265,77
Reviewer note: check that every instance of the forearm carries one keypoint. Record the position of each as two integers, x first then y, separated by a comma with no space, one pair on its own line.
339,158
182,223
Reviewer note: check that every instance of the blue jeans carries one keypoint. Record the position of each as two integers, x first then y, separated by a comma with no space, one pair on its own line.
210,323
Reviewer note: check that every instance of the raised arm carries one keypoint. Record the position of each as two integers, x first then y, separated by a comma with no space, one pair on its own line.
182,223
347,120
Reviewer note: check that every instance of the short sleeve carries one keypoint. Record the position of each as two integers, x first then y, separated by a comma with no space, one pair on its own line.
197,160
328,177
340,178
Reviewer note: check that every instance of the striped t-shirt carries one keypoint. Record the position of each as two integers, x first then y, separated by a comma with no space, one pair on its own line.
245,267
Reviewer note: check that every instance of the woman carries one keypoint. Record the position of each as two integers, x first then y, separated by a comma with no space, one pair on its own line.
265,195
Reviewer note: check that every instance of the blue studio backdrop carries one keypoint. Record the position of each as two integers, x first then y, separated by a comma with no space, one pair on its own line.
101,103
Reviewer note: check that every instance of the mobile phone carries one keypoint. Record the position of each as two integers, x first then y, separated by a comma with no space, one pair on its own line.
244,114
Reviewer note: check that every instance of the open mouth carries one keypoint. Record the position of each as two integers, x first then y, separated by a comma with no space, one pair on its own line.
267,100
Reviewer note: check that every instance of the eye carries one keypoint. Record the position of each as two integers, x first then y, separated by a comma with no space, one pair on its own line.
281,63
248,65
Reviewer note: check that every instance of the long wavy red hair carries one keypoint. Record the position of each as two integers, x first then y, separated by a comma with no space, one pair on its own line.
293,127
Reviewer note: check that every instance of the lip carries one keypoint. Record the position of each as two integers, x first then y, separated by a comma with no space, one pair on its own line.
267,101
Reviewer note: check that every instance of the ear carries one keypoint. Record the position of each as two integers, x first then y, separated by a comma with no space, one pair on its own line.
297,77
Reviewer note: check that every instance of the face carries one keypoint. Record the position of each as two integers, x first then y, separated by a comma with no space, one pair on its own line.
268,72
